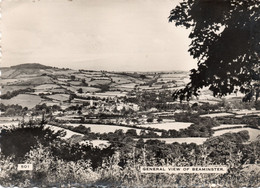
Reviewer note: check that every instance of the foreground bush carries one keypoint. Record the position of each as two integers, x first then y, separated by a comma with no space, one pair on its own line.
47,170
72,165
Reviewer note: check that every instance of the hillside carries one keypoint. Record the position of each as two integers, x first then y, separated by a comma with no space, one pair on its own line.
46,81
30,66
103,105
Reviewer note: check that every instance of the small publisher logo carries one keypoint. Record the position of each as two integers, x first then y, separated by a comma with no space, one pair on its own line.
25,167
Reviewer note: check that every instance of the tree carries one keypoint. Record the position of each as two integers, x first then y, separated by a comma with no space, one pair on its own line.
159,120
80,90
72,77
18,141
225,42
149,120
83,81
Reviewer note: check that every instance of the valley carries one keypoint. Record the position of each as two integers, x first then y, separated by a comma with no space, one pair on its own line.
138,103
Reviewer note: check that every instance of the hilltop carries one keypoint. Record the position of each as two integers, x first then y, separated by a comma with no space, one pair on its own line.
30,66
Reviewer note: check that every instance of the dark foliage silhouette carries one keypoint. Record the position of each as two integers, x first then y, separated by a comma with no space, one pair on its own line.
225,38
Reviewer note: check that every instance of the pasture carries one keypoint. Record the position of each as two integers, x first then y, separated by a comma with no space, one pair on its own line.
227,126
253,133
59,97
69,133
167,126
24,100
84,89
217,115
46,87
102,128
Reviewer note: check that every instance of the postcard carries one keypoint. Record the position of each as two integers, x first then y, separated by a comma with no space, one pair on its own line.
130,93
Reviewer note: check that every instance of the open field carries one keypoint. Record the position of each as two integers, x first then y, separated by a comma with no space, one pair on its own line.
253,133
99,128
8,81
168,126
59,97
99,82
69,133
227,126
84,89
25,100
8,124
247,112
125,86
120,80
7,88
108,94
35,81
217,115
46,87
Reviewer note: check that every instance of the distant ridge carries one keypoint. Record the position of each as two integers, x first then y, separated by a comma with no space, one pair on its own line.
31,66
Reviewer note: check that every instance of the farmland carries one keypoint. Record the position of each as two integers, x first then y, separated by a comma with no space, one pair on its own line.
253,133
25,100
99,128
120,120
107,101
168,126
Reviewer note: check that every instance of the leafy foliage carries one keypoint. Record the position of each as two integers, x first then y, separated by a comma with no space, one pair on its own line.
225,41
73,164
18,141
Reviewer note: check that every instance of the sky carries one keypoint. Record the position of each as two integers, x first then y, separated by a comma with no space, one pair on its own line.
114,35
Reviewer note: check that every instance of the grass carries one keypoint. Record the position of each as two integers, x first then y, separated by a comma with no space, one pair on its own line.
128,86
111,94
8,81
99,128
120,80
24,100
35,80
227,126
217,115
253,133
46,87
69,133
84,89
100,82
12,88
59,97
168,126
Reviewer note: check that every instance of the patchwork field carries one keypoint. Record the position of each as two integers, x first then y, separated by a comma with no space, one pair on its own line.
84,89
217,115
4,82
25,100
168,126
6,88
69,133
34,81
59,97
46,87
99,82
227,126
253,133
99,128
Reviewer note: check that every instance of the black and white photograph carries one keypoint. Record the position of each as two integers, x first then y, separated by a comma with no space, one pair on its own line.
130,93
